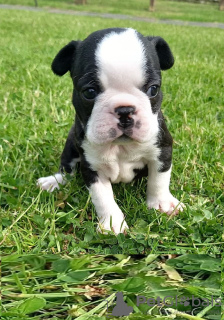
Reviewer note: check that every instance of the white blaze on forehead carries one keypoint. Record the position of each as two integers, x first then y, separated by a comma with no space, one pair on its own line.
121,60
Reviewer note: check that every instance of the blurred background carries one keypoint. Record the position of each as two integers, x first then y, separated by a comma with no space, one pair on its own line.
187,10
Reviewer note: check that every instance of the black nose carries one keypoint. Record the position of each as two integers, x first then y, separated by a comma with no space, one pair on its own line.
125,118
125,111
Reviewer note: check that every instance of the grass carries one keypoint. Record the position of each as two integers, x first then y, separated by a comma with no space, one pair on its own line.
164,9
37,114
61,287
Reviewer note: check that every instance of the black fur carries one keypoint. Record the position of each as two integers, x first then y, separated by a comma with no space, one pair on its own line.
90,176
166,59
69,153
165,143
63,61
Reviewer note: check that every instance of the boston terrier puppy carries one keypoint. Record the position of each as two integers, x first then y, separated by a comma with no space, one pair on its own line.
119,132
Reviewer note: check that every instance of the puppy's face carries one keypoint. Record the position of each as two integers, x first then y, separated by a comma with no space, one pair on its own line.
117,78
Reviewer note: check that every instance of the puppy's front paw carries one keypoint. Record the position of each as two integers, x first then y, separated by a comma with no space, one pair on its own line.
115,226
51,182
168,204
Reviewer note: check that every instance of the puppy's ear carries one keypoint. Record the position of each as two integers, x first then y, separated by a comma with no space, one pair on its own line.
63,61
164,53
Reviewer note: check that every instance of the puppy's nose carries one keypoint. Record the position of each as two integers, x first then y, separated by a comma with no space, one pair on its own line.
125,116
125,111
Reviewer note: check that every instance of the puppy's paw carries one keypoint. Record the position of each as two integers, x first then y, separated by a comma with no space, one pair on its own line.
168,204
51,183
115,226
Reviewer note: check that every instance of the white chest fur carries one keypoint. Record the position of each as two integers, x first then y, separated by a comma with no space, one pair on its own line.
117,162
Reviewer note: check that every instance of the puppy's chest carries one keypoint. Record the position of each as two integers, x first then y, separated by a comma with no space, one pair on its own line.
121,170
117,163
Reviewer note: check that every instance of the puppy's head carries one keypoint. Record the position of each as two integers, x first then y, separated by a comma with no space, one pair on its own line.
117,78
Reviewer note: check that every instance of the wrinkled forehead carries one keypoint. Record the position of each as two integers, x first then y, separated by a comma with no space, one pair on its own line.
121,61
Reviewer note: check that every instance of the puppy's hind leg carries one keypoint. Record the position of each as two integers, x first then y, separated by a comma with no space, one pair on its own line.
69,159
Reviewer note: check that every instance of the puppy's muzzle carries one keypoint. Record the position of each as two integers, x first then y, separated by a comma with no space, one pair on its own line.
125,116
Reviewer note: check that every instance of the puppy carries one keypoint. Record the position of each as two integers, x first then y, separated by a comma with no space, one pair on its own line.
119,132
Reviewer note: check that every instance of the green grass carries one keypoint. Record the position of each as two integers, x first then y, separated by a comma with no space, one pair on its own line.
164,9
52,287
37,114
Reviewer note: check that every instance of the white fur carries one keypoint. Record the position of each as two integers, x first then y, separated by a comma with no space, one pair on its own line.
103,118
116,162
121,60
108,212
158,194
51,182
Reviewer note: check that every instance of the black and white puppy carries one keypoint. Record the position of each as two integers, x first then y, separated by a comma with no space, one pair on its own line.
119,131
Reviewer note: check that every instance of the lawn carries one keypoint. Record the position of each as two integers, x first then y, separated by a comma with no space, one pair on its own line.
164,9
37,114
51,287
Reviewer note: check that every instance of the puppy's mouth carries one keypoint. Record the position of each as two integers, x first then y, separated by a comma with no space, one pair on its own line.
123,139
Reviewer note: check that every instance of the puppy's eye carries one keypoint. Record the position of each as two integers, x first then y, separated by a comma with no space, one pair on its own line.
153,91
90,94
